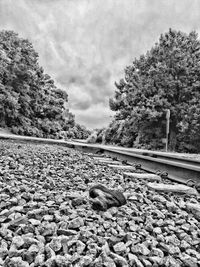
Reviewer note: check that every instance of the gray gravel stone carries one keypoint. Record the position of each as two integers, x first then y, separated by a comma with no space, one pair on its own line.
15,262
76,223
134,261
55,244
54,225
120,248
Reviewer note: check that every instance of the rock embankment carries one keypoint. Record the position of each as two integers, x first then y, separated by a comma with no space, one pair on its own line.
46,218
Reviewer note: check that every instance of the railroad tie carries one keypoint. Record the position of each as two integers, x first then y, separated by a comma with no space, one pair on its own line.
122,167
111,162
144,176
175,188
101,158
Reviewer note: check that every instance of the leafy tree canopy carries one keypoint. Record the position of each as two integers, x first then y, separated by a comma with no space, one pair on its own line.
166,77
30,103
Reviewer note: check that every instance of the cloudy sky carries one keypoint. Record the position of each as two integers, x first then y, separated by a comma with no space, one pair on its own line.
85,44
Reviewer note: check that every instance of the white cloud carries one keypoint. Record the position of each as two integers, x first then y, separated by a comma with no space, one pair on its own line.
85,45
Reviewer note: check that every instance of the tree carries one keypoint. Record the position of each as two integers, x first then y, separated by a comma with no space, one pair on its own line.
166,77
30,103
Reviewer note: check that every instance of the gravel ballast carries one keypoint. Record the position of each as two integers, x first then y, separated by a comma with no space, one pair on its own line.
46,217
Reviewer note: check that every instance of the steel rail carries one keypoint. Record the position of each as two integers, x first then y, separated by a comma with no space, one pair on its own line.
178,169
166,156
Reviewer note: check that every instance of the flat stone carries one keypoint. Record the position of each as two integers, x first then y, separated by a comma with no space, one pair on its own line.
66,232
121,167
182,189
143,176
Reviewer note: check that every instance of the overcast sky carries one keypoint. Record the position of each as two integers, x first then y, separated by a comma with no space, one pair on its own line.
85,44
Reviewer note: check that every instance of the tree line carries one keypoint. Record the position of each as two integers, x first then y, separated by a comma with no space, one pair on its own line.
167,77
30,102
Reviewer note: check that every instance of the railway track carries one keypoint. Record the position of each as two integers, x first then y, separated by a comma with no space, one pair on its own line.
44,189
176,168
182,170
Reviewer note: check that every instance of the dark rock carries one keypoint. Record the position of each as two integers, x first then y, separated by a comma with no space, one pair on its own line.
106,198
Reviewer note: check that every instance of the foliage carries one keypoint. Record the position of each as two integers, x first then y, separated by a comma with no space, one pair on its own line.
30,103
77,132
166,77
